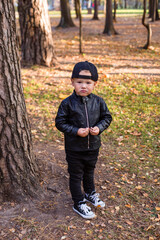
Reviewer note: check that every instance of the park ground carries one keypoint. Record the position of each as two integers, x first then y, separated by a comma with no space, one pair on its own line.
128,170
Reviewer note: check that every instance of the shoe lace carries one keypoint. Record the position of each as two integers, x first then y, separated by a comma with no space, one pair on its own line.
95,197
85,208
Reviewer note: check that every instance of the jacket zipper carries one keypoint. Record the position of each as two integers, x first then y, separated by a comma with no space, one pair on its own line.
85,105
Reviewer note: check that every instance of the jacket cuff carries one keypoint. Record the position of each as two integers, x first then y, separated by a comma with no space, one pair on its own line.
101,129
74,131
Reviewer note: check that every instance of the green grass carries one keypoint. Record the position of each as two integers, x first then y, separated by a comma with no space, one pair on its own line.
119,12
133,104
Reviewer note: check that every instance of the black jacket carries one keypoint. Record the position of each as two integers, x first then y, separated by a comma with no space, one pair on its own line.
80,112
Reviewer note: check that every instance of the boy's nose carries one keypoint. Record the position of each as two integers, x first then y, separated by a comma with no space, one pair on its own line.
83,85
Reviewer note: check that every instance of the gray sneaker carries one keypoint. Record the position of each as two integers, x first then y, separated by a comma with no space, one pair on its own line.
94,199
83,210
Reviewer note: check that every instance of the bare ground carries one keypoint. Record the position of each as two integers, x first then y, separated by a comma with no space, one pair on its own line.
130,211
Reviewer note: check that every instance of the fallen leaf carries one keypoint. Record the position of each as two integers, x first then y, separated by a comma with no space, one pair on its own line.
151,238
117,208
129,222
63,237
100,236
138,187
88,221
150,227
62,96
89,232
113,197
128,206
119,226
120,193
158,208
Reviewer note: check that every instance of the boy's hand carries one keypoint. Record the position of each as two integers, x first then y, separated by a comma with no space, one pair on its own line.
83,132
94,130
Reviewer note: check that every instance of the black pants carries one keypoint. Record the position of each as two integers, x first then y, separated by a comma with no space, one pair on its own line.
81,167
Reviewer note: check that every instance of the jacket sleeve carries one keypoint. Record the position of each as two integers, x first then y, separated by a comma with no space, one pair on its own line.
105,117
61,120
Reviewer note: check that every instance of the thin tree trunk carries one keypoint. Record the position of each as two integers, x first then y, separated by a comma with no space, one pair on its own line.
136,4
109,27
157,14
36,35
154,10
76,8
95,16
115,9
147,26
80,27
66,20
125,3
18,169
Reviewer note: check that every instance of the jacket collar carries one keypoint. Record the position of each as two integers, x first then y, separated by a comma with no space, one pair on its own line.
80,98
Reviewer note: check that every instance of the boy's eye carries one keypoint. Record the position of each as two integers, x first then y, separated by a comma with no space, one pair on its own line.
88,83
79,82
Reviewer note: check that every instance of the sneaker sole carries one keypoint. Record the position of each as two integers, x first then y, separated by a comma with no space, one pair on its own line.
84,216
98,206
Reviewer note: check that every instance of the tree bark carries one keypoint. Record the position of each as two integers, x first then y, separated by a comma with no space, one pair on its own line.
157,14
109,27
36,35
125,3
95,16
18,168
136,4
76,6
66,20
80,27
115,9
147,26
154,10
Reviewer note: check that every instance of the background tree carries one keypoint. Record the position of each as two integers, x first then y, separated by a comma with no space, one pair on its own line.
76,8
109,27
157,13
66,19
125,3
136,4
152,9
95,16
147,25
80,27
36,35
115,9
18,169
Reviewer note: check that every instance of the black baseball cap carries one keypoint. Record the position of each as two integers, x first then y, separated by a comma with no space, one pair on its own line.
85,66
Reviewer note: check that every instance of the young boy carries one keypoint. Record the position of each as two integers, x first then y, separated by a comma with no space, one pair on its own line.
82,117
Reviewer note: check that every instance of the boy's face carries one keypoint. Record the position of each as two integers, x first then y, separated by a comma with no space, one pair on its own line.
83,87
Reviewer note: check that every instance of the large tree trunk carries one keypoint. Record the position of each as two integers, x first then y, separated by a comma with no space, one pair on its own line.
109,27
18,169
148,27
95,16
36,35
66,20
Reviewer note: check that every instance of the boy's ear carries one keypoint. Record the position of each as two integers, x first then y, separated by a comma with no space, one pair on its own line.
95,83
